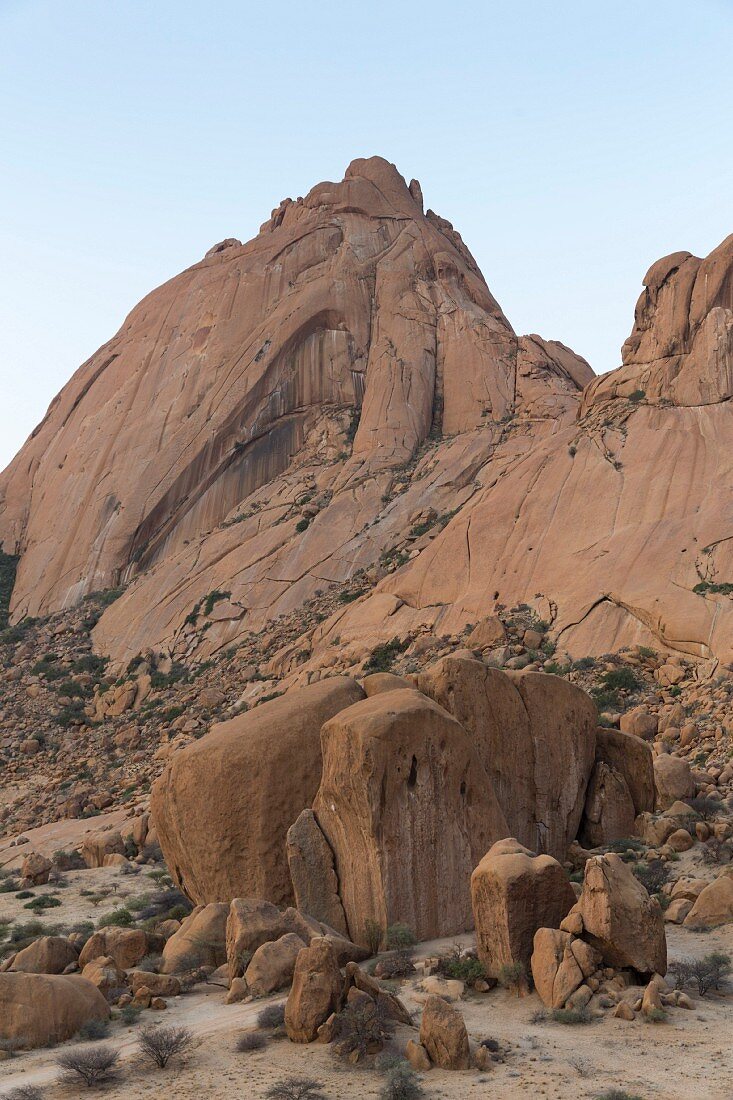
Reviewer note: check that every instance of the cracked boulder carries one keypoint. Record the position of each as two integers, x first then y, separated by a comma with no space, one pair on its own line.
514,893
535,736
408,810
224,804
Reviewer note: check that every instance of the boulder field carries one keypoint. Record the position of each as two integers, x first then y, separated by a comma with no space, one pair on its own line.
373,810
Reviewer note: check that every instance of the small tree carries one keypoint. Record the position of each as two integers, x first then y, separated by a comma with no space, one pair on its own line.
711,971
93,1065
362,1028
161,1043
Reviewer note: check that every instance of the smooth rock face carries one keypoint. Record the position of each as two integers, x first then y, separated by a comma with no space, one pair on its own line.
46,955
535,736
200,941
224,804
43,1009
408,809
620,918
443,1034
514,893
315,993
311,864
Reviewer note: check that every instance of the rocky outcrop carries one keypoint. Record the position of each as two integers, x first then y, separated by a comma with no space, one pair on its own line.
513,894
408,809
535,736
609,813
443,1034
40,1010
127,946
272,964
673,780
224,804
631,758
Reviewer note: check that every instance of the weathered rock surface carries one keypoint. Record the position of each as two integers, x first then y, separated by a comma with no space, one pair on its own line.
315,993
609,808
43,1009
535,736
312,873
513,894
46,955
620,918
200,941
443,1035
272,964
673,780
633,759
714,904
125,945
224,804
408,810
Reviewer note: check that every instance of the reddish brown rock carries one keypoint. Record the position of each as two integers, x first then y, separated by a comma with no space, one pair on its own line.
46,955
224,804
312,872
535,736
316,991
673,779
620,918
443,1035
200,940
272,965
408,810
633,759
514,893
41,1009
125,945
609,808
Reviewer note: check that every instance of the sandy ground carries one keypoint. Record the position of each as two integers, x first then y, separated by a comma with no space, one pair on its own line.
689,1056
75,906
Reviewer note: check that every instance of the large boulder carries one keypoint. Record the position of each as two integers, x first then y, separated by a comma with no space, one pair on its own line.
620,918
673,779
609,808
312,872
514,893
35,869
443,1034
127,946
316,991
46,955
272,965
224,804
41,1010
633,759
408,810
96,847
200,941
535,735
714,904
105,974
250,923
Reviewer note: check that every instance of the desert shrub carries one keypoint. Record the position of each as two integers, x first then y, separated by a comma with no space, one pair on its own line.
373,934
296,1088
571,1016
93,1065
383,656
130,1014
620,679
400,935
398,964
159,1043
707,808
92,1030
618,1094
511,975
681,972
118,918
24,1092
302,525
711,971
271,1017
251,1041
361,1027
22,894
656,1016
44,901
402,1083
464,968
652,875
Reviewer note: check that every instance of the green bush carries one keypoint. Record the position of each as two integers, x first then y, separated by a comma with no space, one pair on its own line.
383,656
44,901
118,918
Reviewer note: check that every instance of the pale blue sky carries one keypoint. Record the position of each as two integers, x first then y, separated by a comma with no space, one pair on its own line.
571,144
